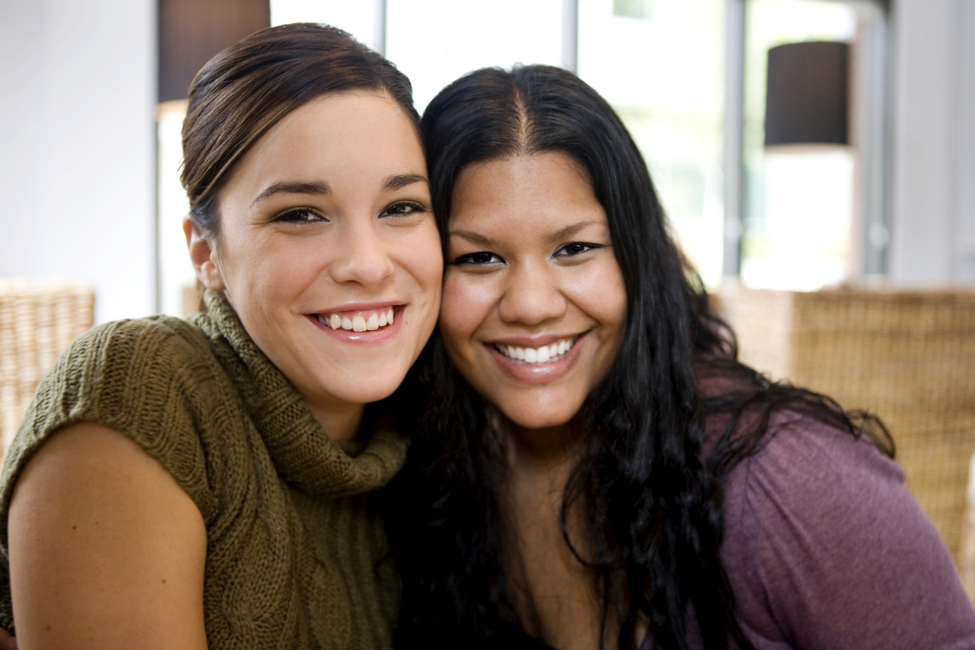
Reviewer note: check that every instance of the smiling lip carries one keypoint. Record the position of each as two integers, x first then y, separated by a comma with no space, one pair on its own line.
360,323
531,361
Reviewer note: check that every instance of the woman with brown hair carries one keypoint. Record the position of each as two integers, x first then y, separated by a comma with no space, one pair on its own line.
204,483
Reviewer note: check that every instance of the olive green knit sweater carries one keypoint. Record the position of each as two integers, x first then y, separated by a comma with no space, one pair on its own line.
294,557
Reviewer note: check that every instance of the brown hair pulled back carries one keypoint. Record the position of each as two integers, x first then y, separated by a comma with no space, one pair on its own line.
247,88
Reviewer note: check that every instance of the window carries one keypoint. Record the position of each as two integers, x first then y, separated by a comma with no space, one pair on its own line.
660,64
813,216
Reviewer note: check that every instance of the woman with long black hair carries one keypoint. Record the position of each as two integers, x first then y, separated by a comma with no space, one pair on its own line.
601,470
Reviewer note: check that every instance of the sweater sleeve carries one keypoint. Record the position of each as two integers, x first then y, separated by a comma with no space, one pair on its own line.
826,549
152,379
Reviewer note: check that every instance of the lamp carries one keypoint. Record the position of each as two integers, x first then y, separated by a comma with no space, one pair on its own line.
806,101
191,32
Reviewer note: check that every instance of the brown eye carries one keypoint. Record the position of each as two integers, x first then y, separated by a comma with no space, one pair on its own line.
478,259
299,215
403,208
575,248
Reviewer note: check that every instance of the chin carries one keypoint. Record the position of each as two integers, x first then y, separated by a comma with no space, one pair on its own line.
367,395
537,421
540,409
369,382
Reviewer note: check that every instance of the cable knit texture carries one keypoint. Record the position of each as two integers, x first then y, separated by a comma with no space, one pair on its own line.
295,559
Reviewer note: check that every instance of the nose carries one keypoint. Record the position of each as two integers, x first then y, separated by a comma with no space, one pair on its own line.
361,255
531,296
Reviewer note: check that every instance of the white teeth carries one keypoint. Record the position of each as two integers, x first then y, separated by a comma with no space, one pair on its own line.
543,354
358,323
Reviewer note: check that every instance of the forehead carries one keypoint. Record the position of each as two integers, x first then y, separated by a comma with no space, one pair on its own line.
538,189
362,131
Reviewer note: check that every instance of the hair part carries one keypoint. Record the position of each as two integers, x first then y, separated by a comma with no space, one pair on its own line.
247,88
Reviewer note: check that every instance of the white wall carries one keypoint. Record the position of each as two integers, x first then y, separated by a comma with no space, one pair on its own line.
77,146
933,168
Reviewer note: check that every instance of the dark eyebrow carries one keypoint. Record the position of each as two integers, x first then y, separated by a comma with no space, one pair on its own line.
553,238
569,231
314,187
317,188
473,237
395,182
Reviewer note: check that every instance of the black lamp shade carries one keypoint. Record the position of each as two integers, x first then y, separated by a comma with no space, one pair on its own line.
807,94
191,32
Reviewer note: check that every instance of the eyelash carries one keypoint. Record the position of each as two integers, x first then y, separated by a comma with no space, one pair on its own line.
299,215
302,215
414,208
494,258
584,245
469,259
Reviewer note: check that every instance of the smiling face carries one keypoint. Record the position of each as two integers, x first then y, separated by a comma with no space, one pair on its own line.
534,305
328,251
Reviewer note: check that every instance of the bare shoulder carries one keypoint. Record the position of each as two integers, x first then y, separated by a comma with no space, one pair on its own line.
106,549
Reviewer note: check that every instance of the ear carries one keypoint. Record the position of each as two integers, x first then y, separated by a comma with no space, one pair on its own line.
203,257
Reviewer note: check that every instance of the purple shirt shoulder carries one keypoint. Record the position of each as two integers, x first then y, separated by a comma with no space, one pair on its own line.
826,549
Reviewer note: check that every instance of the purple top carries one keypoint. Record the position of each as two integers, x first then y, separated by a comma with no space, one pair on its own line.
825,548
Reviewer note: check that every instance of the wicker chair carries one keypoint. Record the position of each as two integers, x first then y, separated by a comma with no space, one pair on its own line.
38,319
907,356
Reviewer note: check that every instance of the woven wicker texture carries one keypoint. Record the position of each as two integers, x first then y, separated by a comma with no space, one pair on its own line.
908,357
38,319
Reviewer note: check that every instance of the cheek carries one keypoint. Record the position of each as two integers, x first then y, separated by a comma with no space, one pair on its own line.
258,263
465,305
613,318
614,312
601,293
427,259
278,275
421,259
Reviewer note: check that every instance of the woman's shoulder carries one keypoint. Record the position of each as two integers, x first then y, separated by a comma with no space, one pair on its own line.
788,433
153,379
800,451
125,369
825,546
138,336
142,352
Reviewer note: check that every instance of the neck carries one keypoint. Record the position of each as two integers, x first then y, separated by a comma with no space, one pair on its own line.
542,450
341,422
540,462
553,591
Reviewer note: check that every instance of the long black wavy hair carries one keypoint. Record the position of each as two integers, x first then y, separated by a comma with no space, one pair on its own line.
648,497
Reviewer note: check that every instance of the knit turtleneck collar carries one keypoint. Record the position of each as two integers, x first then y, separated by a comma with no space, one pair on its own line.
302,452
